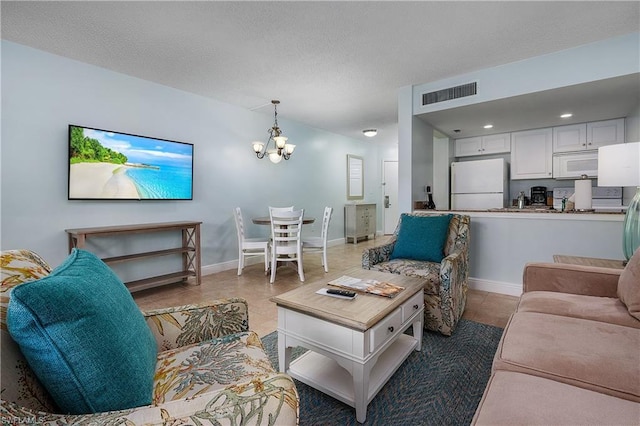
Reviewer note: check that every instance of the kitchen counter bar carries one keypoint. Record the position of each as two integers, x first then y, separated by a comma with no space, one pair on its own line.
502,242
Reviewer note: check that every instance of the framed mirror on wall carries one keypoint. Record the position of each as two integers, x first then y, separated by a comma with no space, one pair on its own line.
355,177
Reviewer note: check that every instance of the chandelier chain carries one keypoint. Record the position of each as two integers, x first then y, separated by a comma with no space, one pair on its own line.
275,129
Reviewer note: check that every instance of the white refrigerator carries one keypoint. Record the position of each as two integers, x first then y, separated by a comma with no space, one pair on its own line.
480,184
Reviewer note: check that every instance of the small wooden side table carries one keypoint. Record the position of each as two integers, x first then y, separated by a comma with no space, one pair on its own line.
588,261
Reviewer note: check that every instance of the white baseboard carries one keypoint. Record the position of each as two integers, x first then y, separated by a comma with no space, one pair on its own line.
495,286
225,266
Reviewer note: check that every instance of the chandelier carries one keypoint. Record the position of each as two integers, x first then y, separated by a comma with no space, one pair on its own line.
282,148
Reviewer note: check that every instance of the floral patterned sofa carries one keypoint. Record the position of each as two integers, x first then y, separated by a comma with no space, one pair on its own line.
445,292
210,368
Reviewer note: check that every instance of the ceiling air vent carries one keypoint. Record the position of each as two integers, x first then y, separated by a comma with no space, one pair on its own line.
450,93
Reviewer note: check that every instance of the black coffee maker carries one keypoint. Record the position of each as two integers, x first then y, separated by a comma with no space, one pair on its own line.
538,195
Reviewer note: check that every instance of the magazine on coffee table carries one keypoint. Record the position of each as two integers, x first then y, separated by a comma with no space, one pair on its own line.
380,288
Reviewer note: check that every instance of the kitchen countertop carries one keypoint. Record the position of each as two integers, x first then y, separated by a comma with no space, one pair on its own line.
532,209
531,212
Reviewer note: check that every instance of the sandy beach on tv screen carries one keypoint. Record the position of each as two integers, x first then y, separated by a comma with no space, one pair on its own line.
100,180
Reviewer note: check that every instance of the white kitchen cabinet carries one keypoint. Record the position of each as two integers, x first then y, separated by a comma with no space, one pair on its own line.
602,133
496,144
532,154
588,136
359,221
466,147
570,138
482,145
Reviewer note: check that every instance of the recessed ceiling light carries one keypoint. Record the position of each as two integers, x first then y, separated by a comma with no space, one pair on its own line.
567,115
370,132
488,126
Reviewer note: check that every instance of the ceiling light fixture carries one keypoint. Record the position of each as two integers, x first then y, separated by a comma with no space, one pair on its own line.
282,148
567,115
370,132
488,126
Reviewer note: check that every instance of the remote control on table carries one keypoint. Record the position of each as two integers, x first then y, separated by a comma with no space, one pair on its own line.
345,293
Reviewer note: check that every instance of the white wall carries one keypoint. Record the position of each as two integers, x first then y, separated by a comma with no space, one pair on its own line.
443,156
421,159
43,93
632,126
614,57
405,147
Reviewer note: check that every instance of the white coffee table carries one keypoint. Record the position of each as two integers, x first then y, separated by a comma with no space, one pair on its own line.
363,337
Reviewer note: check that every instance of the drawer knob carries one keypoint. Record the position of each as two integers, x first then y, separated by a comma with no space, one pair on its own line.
390,329
416,306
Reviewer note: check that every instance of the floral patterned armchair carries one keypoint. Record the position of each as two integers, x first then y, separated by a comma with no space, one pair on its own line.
210,368
445,291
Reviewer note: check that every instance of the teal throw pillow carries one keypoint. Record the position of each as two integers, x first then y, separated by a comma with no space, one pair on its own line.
84,337
421,237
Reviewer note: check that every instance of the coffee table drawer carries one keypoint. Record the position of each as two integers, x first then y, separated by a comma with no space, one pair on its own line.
412,306
386,328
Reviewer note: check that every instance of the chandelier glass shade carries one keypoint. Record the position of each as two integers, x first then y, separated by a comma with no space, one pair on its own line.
281,149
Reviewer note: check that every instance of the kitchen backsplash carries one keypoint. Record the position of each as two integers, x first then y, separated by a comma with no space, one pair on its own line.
515,186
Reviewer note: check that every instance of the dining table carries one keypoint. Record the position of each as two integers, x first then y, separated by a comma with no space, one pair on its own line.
266,220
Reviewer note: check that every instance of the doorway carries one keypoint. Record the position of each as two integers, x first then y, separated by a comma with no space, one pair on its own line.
389,196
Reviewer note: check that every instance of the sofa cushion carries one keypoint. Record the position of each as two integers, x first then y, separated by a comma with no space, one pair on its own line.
422,238
209,366
84,337
606,309
521,399
629,285
589,354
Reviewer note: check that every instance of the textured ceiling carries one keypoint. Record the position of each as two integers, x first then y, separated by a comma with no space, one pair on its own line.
333,65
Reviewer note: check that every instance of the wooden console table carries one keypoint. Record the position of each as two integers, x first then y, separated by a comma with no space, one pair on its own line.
190,249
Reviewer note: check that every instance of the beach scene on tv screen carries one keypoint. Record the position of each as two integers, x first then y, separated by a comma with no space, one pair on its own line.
111,165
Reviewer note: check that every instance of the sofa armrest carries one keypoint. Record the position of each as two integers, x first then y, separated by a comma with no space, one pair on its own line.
573,279
454,270
184,325
378,254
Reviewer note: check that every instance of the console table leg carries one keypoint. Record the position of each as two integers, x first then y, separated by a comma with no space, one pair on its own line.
191,260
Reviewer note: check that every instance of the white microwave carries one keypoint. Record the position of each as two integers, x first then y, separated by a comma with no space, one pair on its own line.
575,164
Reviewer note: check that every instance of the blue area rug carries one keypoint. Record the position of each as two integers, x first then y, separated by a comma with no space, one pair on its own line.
441,385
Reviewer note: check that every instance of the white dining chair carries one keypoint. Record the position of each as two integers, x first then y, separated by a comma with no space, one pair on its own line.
280,209
249,247
286,241
319,244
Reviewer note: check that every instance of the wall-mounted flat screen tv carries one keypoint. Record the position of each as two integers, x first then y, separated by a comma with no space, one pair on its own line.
107,165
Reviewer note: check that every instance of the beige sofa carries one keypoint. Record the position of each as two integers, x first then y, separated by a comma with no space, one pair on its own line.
570,353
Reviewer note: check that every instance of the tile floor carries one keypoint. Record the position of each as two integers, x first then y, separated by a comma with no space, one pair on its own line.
253,285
